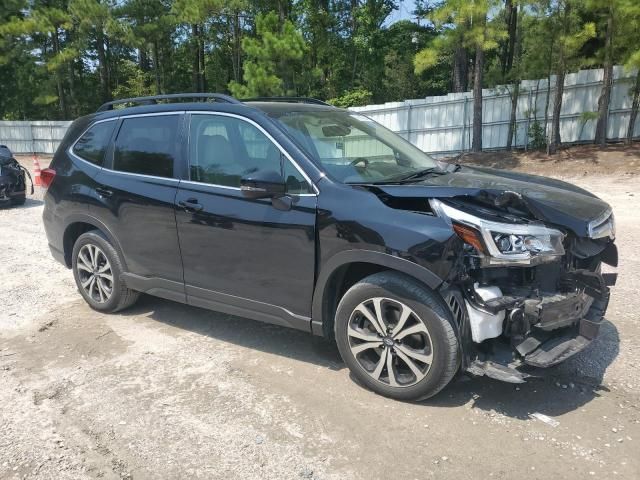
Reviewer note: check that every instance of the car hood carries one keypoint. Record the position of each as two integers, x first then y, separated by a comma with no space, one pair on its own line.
549,200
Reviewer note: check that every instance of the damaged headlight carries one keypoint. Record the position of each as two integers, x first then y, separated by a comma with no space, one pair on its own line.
503,243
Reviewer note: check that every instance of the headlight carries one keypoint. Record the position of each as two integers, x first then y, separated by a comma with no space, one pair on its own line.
503,243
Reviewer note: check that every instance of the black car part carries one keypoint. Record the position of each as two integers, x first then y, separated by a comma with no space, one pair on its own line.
13,183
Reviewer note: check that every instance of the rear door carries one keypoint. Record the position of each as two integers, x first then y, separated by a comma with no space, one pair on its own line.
136,192
251,257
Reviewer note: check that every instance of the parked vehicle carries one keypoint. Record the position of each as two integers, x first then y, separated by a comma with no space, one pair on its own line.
13,179
293,212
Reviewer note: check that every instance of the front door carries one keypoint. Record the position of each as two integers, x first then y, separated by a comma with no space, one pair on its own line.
248,257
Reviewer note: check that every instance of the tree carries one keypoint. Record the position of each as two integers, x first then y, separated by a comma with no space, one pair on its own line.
512,70
509,45
608,11
572,35
466,24
202,17
93,18
47,23
268,69
630,56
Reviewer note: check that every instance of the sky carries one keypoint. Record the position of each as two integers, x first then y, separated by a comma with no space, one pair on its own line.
405,7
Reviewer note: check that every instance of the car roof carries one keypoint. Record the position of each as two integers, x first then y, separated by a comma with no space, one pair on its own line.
275,108
284,107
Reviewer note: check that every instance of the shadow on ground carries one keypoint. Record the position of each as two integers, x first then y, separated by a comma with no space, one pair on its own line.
29,203
244,332
553,391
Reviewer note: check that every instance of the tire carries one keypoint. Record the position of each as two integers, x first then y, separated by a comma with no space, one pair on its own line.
98,295
16,201
432,347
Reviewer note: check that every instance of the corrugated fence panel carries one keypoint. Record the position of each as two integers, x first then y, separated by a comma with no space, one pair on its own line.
443,125
32,137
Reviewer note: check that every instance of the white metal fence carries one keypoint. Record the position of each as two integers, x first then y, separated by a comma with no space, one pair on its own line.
32,137
443,125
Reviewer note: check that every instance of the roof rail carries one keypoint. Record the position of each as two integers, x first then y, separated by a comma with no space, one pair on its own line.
152,100
287,99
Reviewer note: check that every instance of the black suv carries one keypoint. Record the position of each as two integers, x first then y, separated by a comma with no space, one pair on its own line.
293,212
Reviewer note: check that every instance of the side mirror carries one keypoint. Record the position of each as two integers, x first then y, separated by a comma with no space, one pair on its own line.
263,184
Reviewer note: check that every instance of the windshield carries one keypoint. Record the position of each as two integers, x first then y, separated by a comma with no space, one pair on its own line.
353,148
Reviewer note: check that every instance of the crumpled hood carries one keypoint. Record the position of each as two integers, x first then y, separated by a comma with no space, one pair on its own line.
549,200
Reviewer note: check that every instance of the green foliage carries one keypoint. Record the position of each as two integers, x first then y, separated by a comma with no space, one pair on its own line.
62,58
137,83
353,98
270,56
537,136
463,23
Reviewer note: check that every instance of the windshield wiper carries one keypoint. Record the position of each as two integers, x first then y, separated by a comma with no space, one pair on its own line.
412,176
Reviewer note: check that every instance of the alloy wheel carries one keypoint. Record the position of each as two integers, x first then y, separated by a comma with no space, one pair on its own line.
390,342
94,272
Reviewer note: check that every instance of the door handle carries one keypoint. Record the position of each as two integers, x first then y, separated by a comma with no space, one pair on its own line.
104,192
191,205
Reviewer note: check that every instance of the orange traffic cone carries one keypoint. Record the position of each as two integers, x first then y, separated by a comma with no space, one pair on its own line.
37,181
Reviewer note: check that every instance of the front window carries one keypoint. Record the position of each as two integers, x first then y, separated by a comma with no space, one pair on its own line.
223,149
353,148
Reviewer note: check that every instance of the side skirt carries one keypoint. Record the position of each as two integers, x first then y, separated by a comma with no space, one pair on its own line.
216,301
243,307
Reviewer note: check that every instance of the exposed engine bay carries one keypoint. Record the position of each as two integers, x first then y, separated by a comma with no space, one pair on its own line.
13,176
525,292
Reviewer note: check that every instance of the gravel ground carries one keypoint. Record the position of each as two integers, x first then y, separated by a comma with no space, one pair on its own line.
169,391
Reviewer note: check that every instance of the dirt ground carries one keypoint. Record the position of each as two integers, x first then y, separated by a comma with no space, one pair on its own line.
578,161
170,391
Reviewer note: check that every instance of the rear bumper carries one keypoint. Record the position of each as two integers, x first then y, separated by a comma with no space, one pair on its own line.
57,255
53,228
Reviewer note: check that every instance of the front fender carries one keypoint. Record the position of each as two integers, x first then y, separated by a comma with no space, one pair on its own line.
346,257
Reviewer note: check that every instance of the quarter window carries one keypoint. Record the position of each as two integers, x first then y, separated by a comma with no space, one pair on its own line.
93,144
147,145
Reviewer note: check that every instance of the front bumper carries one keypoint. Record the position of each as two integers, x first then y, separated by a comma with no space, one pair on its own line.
550,348
541,330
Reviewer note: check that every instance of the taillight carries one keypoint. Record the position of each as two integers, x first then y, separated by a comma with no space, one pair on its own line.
46,176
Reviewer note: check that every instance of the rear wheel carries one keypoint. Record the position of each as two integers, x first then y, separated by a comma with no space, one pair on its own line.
396,336
97,268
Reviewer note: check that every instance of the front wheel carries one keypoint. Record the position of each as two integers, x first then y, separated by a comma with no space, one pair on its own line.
397,337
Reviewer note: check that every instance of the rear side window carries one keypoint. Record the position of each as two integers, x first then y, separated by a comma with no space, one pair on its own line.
93,144
147,145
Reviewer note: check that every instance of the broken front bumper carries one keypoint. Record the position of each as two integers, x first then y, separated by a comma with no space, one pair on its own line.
541,330
545,348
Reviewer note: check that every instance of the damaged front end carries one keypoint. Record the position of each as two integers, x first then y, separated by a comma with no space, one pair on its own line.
524,292
12,178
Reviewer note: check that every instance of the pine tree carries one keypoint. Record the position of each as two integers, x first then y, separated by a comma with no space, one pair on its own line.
269,58
571,33
468,26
